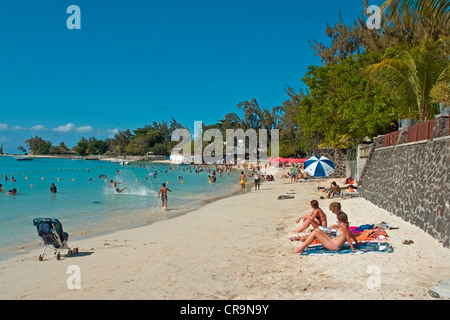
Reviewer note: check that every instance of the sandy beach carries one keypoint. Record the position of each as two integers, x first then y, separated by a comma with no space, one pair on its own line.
236,248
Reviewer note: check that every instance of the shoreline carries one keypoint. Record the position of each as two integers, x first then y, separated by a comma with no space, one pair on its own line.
173,212
235,248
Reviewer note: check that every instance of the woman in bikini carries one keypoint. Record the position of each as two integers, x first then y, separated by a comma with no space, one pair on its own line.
315,218
242,180
334,244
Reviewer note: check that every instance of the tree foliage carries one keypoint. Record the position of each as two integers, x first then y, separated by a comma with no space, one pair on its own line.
343,105
411,73
435,13
403,21
37,145
292,139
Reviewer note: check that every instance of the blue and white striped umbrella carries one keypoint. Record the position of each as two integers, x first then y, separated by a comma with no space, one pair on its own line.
318,166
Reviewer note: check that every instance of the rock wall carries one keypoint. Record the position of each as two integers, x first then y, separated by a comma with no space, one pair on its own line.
412,181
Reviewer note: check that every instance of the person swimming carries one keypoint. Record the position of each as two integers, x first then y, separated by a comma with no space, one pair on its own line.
12,192
120,190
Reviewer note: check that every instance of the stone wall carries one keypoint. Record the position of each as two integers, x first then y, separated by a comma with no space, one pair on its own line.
412,181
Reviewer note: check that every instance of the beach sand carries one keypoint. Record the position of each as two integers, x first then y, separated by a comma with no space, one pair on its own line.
234,248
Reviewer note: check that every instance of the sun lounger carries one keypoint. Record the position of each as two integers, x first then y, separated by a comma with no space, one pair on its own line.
349,194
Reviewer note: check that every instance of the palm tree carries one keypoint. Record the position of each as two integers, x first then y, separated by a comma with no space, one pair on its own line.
436,11
339,141
410,73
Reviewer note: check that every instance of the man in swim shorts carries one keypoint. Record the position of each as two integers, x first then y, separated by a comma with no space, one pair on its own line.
163,193
257,177
120,190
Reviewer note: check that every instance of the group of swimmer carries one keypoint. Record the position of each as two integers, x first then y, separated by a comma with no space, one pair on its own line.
162,193
331,237
11,192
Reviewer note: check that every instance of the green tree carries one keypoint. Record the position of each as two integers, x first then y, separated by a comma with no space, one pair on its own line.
81,147
293,142
96,146
155,138
21,149
54,150
231,121
405,24
256,117
160,149
121,140
342,102
441,93
37,145
435,12
411,73
139,145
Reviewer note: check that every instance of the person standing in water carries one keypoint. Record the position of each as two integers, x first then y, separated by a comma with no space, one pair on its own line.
53,188
163,193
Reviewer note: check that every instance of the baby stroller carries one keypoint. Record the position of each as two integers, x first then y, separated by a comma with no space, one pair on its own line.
51,232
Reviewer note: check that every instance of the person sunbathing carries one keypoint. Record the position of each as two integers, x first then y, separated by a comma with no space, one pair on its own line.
334,207
315,218
335,190
334,244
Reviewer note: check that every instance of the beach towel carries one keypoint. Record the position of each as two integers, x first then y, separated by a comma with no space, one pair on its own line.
368,247
372,235
368,235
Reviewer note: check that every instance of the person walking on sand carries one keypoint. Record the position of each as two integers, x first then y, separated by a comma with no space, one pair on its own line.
242,179
163,193
257,177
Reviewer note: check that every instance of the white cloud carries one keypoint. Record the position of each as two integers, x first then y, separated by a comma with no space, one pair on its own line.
70,127
3,126
84,129
18,128
66,128
38,127
112,132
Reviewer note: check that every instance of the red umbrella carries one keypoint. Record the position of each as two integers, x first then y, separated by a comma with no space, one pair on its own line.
290,160
295,160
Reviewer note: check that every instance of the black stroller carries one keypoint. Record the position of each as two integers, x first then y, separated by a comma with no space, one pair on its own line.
51,232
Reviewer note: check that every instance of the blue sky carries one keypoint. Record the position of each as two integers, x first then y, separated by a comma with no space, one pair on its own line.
134,62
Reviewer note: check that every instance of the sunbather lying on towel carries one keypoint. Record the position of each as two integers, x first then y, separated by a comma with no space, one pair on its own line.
336,208
334,244
315,218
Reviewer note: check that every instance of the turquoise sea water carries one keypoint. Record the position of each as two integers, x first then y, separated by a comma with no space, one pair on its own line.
85,204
